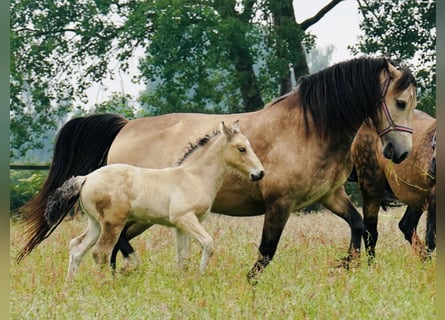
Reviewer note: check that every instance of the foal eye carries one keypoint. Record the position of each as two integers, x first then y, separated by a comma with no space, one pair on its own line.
241,149
401,104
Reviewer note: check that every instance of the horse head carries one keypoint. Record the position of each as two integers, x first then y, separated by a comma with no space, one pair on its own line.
239,153
396,112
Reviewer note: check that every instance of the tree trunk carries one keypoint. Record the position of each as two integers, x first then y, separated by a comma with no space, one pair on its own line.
247,81
240,54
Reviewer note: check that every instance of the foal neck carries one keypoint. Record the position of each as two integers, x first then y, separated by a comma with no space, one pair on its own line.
208,159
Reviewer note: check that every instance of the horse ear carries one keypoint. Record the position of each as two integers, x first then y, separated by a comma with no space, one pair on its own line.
391,68
227,131
235,127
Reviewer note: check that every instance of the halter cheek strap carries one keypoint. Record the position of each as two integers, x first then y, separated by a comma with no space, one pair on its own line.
391,124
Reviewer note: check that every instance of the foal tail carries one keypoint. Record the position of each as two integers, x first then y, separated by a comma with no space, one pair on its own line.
61,201
81,146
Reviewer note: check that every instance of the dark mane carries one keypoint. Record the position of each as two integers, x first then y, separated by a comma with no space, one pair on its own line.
339,98
193,146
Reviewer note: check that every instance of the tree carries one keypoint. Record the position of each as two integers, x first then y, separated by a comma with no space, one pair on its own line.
406,31
207,56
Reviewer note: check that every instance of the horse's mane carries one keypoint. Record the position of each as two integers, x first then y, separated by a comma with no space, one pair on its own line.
194,146
339,98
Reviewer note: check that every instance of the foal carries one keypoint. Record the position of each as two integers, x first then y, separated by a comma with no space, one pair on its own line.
118,195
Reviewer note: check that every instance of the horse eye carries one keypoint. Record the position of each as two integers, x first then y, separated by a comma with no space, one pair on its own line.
401,104
241,149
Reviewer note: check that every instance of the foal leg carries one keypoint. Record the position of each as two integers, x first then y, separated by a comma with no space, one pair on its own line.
183,247
338,202
104,245
189,224
81,244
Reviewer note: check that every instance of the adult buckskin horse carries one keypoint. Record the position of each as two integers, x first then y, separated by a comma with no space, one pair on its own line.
412,182
303,140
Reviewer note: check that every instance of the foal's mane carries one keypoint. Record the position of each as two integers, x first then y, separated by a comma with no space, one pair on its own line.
341,97
194,146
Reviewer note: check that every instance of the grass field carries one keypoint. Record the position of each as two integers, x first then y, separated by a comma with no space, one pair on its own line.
302,281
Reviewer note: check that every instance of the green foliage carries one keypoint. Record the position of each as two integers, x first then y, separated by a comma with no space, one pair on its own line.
405,31
195,56
23,186
58,49
201,56
117,103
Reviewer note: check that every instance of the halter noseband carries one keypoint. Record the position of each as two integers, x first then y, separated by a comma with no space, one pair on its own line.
392,126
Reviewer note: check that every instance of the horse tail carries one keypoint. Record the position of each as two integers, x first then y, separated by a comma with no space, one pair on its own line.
61,201
81,146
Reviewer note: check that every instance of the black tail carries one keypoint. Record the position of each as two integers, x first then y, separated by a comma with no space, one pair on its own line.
81,146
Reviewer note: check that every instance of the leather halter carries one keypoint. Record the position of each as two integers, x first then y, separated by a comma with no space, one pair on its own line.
392,126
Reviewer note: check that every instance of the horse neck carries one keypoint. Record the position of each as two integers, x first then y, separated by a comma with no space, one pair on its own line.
209,162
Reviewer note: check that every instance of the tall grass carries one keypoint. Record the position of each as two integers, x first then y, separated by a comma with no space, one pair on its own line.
302,281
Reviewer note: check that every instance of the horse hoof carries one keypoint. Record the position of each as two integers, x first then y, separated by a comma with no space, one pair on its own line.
252,277
349,263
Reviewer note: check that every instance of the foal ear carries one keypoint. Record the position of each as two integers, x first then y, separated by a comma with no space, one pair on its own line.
235,126
227,131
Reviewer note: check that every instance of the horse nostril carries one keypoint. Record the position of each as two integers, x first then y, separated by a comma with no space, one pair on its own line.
388,151
256,177
401,158
261,174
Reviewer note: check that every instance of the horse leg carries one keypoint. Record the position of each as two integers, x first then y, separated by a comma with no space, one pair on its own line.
189,224
408,225
183,247
81,244
276,216
131,257
371,207
431,222
340,204
122,245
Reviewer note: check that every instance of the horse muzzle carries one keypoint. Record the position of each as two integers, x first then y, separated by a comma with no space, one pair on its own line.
390,152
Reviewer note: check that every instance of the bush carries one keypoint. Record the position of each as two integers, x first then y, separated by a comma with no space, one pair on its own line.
23,186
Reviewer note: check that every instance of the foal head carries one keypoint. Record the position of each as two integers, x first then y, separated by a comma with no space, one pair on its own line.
238,153
396,112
